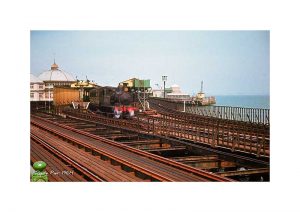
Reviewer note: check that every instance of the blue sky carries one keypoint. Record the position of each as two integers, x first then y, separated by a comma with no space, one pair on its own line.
229,62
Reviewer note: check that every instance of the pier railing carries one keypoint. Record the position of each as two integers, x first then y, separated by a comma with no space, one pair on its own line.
253,115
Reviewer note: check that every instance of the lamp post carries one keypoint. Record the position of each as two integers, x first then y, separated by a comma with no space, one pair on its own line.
49,97
144,96
164,78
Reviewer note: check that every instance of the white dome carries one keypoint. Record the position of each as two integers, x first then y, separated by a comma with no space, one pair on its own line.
34,79
175,88
56,74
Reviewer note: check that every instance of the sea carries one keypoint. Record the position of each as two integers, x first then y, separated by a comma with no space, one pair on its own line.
249,101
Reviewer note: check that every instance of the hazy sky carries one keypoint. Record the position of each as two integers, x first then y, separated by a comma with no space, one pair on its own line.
229,62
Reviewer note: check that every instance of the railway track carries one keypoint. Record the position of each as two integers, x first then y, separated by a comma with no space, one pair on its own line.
215,136
246,137
57,169
93,169
191,154
130,161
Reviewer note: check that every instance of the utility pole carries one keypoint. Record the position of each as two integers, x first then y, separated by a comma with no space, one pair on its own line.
164,78
144,96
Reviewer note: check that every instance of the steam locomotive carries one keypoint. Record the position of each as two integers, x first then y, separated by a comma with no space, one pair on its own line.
112,101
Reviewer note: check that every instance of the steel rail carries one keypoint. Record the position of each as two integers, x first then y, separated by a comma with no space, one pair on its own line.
194,144
67,173
258,133
63,156
86,159
197,172
170,172
102,152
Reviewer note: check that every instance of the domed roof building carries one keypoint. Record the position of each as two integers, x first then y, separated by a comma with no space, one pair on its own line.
54,77
57,75
175,89
177,94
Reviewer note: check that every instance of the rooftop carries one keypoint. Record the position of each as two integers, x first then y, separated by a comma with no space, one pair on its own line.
56,74
34,79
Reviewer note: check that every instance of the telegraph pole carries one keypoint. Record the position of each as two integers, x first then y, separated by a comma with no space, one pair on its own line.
164,78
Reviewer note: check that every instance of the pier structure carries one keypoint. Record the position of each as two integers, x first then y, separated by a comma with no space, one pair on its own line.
157,145
168,141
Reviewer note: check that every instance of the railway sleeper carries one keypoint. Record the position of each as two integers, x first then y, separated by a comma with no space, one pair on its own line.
114,162
141,175
126,168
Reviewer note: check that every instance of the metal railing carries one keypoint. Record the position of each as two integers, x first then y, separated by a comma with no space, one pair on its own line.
246,137
253,115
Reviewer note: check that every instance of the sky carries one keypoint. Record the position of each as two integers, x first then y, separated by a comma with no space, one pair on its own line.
228,62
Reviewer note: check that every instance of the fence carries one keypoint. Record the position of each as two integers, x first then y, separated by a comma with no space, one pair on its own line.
254,115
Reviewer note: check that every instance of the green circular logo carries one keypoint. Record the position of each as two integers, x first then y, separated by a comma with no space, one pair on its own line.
39,165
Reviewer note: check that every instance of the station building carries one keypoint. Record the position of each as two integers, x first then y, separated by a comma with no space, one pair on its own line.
41,87
37,88
172,93
177,94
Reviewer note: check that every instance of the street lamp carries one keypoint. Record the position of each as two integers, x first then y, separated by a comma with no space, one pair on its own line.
164,78
49,97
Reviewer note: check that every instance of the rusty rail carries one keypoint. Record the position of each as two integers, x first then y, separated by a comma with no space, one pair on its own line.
205,176
57,170
237,136
66,158
246,137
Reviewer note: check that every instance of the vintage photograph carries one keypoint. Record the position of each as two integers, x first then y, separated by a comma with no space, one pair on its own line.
149,106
